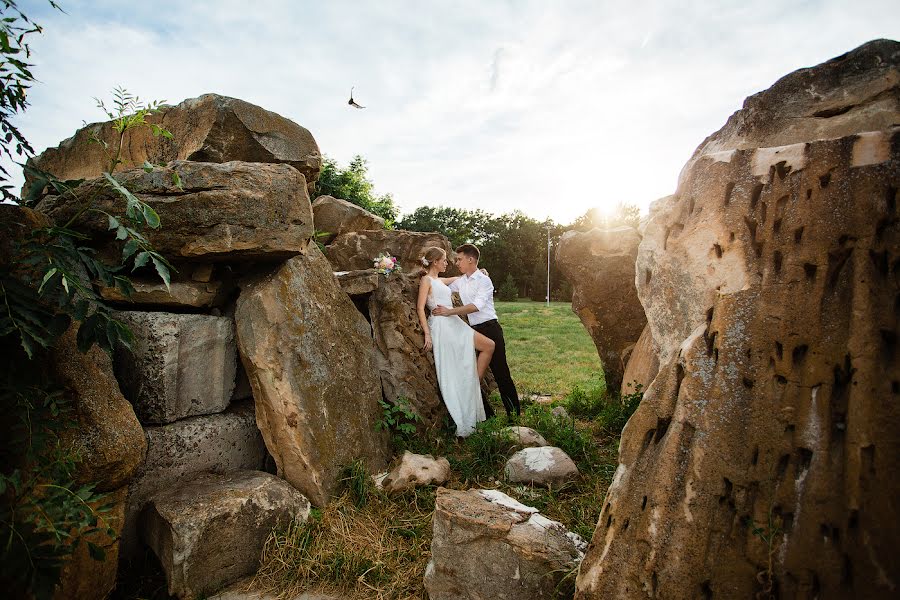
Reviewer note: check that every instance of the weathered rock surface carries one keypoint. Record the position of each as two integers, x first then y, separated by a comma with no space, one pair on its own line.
108,437
356,250
180,294
525,436
487,545
334,216
600,266
415,470
309,357
771,282
222,212
543,465
82,576
210,532
642,365
359,283
560,412
405,368
178,452
210,128
182,365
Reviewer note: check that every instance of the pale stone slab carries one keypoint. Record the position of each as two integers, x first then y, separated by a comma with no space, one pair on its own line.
545,465
210,531
182,365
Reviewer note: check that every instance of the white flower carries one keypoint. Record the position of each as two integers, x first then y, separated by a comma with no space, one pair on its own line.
424,261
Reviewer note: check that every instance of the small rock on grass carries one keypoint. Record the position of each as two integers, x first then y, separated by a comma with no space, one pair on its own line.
525,436
415,470
545,465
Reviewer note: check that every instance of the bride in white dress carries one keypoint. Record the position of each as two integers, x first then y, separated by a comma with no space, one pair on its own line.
459,371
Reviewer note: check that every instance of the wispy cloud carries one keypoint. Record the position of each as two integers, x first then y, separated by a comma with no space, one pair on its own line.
545,107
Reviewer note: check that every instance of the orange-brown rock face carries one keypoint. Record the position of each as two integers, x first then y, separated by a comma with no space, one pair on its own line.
764,456
600,266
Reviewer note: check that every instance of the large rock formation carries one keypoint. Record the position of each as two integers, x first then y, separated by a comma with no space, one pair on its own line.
600,266
334,216
406,369
308,354
356,250
180,365
210,532
763,456
488,545
221,212
211,128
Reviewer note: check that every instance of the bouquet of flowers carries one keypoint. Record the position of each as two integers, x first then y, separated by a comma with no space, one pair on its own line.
386,264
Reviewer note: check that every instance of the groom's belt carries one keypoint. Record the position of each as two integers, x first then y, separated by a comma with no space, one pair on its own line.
485,324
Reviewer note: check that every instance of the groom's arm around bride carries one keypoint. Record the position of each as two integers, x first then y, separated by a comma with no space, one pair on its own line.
476,290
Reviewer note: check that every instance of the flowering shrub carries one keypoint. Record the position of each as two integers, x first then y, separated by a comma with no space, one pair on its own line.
385,264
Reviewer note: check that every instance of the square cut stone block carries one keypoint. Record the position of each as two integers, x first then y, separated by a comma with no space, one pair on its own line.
182,365
210,532
176,453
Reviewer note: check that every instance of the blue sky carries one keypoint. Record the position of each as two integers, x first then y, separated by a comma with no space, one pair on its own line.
547,107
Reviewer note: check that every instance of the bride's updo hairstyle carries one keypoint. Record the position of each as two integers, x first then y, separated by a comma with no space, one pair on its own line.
431,254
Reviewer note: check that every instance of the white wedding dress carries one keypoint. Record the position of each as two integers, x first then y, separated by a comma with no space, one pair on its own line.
454,359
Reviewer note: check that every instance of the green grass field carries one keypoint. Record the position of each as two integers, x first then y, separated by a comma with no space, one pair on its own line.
548,349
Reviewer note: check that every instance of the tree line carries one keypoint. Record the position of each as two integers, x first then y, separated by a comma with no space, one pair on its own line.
513,245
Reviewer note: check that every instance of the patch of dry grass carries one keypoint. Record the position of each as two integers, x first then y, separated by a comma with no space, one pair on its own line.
379,551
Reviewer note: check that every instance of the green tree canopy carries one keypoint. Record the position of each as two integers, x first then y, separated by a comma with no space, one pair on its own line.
353,185
461,226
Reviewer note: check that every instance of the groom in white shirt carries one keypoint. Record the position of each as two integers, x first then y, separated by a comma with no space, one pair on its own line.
476,290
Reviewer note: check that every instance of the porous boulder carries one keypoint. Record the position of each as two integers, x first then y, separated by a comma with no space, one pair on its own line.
210,532
542,465
178,452
488,545
406,370
415,470
600,266
356,250
334,216
180,365
221,212
763,456
210,128
308,354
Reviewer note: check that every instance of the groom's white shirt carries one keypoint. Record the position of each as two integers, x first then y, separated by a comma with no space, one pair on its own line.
477,289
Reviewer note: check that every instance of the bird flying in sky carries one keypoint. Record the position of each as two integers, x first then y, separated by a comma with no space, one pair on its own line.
352,102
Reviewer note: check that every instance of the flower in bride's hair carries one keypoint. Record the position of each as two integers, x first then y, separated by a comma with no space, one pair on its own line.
424,261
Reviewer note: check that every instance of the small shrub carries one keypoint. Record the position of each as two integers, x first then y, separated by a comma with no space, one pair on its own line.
400,420
509,291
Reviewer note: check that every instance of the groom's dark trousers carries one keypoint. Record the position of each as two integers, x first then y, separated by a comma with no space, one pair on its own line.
499,368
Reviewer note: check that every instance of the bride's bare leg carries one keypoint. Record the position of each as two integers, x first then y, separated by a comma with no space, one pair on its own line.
485,347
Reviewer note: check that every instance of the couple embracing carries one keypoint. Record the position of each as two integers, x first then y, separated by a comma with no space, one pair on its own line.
455,344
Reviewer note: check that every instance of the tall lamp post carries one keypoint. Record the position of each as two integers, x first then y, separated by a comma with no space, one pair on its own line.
548,264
